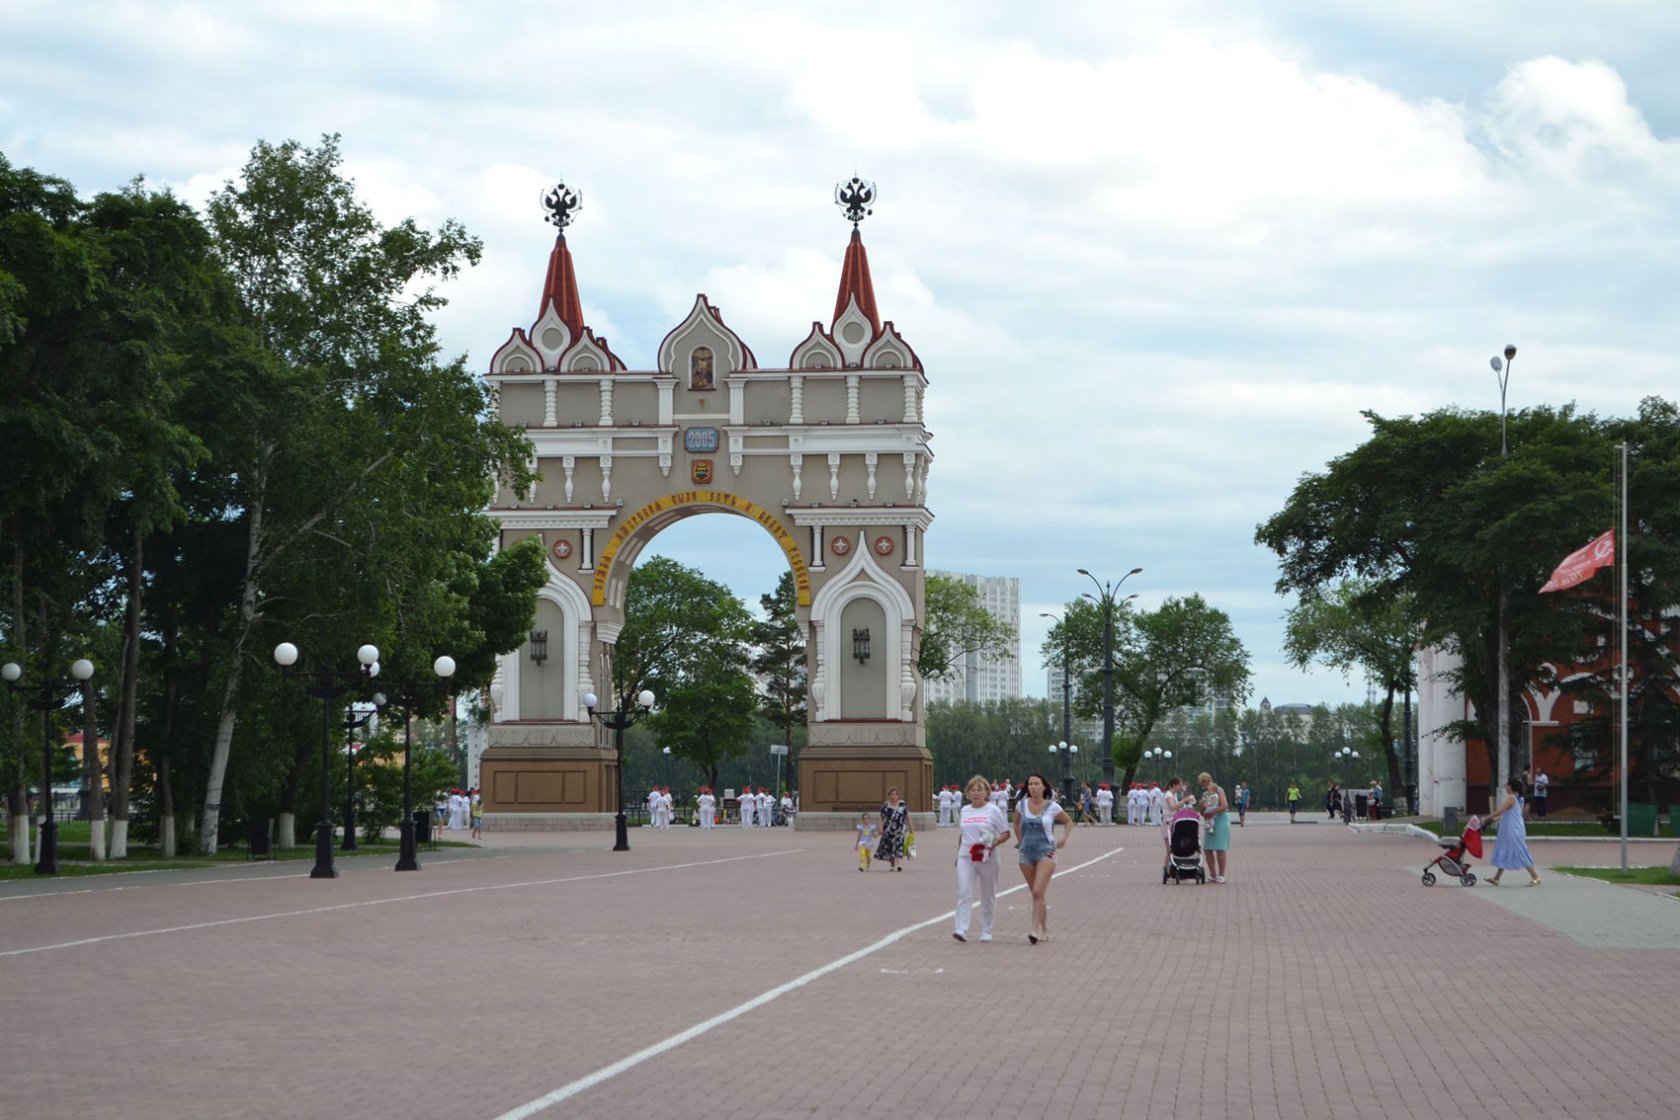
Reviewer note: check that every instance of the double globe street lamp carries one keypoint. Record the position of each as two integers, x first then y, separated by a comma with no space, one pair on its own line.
1161,755
46,698
328,685
410,695
1067,750
617,722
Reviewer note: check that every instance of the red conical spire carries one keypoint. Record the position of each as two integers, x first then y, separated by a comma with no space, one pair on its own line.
560,288
855,283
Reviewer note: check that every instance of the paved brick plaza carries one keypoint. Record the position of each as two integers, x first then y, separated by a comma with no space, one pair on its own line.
1323,980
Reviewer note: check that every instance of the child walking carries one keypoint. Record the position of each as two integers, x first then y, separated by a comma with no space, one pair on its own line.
865,840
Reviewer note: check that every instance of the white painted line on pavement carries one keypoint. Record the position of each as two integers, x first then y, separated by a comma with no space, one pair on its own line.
383,902
606,1073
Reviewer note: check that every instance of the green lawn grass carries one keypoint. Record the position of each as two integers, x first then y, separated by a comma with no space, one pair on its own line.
1577,829
1644,876
75,855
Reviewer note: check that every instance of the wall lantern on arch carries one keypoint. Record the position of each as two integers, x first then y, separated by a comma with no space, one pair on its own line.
860,644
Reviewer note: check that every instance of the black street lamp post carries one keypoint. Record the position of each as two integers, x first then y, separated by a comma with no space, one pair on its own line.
46,699
1105,598
352,721
409,695
617,722
328,686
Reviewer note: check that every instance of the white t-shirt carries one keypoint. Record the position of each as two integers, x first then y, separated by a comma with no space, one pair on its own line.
1540,785
975,823
1105,797
707,801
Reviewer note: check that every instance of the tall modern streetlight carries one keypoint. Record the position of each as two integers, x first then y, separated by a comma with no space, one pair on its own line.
617,722
1502,721
328,686
409,695
1105,597
46,699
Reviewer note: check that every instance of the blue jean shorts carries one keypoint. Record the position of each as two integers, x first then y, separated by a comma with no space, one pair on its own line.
1035,846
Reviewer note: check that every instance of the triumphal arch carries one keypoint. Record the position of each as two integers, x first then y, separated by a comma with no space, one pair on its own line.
827,453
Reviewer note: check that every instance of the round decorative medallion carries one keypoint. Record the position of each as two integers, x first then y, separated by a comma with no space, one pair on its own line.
840,546
562,549
883,546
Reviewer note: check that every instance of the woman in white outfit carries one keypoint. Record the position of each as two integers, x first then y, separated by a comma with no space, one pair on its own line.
708,808
748,804
982,827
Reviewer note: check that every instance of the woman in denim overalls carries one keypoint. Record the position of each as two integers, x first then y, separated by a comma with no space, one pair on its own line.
1036,818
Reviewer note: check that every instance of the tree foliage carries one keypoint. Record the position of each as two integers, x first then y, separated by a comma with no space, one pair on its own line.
688,640
1427,509
1349,627
1173,657
230,431
955,624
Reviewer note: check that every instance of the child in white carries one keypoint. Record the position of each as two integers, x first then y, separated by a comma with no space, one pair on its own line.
708,809
982,827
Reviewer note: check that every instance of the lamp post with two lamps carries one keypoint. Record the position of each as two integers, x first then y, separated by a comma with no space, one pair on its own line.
328,686
1161,755
1105,599
46,698
1067,750
617,722
410,694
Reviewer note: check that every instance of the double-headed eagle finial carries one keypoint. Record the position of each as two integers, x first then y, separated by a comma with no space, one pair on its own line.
854,199
562,204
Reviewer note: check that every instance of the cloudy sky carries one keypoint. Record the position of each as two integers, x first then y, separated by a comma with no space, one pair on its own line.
1155,257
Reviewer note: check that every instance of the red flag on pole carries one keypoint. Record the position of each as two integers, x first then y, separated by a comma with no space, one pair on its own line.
1579,565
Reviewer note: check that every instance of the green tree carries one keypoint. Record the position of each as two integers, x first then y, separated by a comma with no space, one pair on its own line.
353,458
1428,509
1351,625
1164,660
688,639
779,662
955,624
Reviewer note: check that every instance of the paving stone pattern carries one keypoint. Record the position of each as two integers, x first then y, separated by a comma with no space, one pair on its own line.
1323,980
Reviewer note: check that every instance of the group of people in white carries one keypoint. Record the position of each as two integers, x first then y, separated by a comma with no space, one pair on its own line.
757,808
459,809
1145,803
659,805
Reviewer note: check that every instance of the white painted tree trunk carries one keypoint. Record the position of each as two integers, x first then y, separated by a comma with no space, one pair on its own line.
287,838
1674,864
96,838
20,839
166,836
119,839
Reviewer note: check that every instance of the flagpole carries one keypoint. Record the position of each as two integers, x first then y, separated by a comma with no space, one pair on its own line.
1622,551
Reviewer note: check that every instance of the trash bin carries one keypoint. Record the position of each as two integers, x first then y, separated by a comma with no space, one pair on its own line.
1642,818
1450,825
422,826
1359,805
259,838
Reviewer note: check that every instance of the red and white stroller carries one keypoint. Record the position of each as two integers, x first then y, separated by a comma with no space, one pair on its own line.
1453,861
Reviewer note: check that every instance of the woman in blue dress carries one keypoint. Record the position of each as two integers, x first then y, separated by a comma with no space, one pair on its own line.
1510,847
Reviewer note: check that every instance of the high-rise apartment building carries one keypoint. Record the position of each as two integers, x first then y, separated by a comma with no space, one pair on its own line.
977,678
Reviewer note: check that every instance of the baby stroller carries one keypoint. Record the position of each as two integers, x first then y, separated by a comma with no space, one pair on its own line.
1452,861
1185,860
